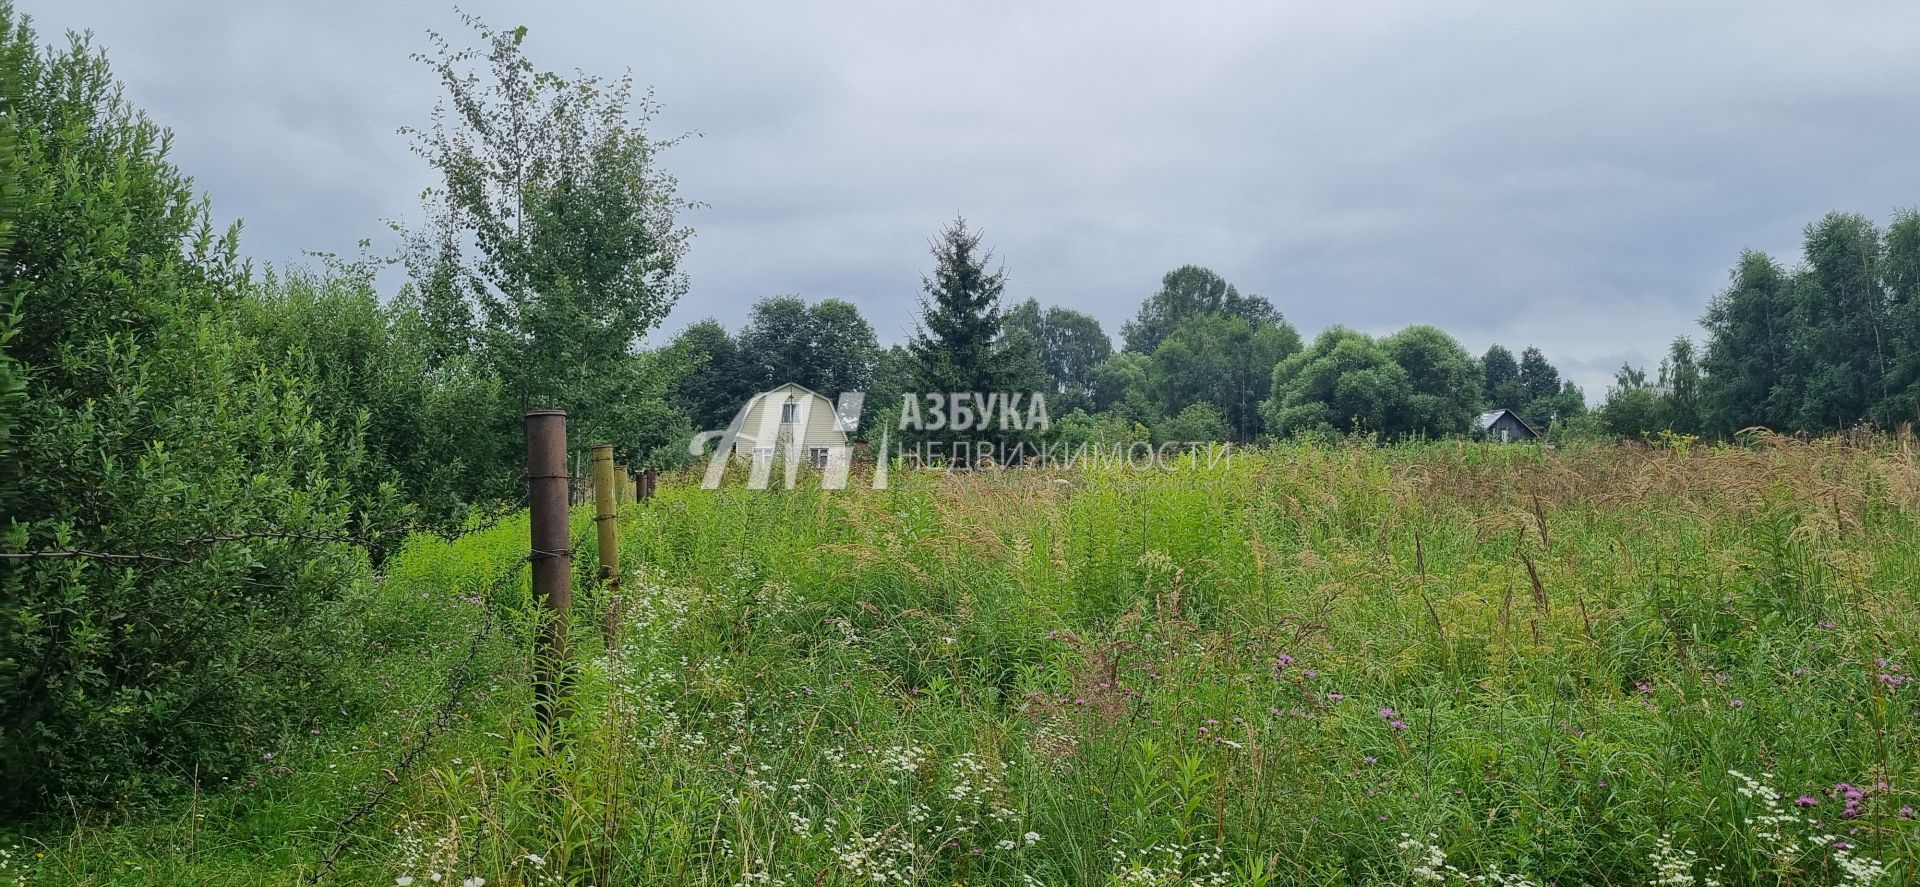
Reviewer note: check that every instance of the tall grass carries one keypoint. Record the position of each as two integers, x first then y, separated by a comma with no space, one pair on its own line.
1312,665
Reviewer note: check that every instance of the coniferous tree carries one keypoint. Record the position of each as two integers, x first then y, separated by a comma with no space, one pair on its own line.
958,346
1538,378
1549,399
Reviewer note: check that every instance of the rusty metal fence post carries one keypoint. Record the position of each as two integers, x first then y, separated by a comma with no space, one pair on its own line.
606,520
548,495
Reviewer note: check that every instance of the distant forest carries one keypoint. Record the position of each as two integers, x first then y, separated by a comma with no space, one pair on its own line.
1829,344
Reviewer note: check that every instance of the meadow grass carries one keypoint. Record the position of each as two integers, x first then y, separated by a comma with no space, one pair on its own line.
1440,663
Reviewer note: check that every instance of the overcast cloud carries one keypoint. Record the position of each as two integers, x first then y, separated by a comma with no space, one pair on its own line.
1579,179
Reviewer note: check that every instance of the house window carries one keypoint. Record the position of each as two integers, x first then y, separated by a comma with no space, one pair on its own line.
817,456
789,411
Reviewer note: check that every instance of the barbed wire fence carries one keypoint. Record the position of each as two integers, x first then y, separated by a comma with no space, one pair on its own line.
460,677
459,682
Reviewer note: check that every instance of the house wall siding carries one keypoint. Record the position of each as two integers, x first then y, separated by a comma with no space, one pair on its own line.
820,429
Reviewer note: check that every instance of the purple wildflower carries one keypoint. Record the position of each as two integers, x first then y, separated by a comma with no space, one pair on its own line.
1851,796
1806,801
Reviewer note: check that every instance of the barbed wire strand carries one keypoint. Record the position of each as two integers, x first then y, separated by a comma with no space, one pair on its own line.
441,723
192,546
458,679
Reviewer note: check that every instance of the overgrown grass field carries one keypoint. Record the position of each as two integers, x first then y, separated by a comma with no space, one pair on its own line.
1452,662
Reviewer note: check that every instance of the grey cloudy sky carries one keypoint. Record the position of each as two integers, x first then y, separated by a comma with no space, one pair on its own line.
1577,176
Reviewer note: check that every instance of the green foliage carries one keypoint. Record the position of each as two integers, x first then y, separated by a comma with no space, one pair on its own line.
1841,315
1821,347
1635,411
718,381
1343,382
1200,421
550,245
149,418
1121,382
1750,359
1680,381
1443,400
1222,360
827,346
1500,385
1901,272
1071,348
438,431
1185,292
1636,408
958,345
1538,378
893,376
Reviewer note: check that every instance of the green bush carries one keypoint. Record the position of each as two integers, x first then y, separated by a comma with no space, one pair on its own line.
147,420
438,431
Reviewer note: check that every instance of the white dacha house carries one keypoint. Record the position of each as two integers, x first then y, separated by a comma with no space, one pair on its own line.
790,418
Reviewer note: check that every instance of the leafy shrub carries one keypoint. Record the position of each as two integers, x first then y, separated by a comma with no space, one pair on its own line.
147,420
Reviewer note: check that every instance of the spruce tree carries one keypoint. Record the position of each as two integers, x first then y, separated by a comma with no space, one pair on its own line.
957,345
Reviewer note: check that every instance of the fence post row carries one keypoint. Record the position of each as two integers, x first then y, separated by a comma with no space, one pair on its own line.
548,495
606,521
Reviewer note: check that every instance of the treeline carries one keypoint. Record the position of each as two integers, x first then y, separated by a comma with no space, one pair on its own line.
1199,361
1826,345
